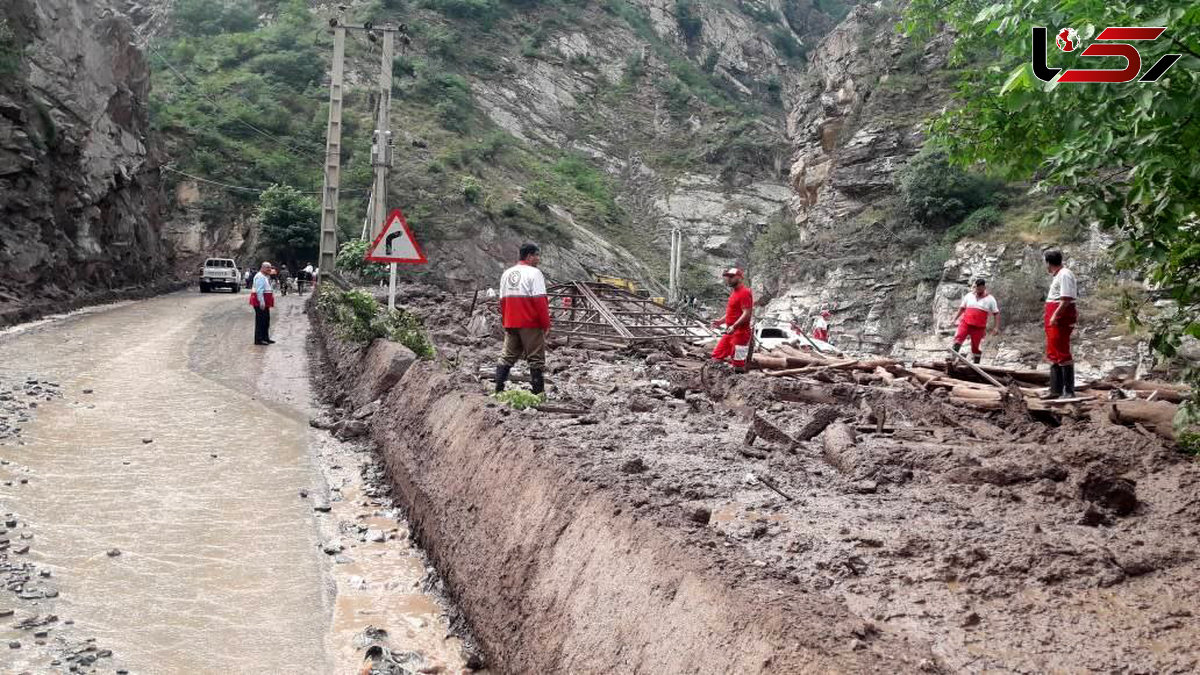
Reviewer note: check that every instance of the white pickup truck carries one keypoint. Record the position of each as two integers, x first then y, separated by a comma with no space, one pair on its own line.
220,272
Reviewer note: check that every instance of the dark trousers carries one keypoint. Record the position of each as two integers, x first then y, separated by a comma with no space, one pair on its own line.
262,324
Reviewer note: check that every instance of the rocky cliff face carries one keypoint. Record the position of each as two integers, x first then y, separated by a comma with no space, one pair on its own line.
79,204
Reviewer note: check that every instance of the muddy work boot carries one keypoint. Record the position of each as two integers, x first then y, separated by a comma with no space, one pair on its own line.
1066,376
1056,382
976,358
537,381
501,377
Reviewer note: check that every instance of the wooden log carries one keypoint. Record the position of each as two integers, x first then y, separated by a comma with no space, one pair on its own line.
981,403
807,392
1157,416
769,362
1173,393
1041,377
884,375
973,393
839,443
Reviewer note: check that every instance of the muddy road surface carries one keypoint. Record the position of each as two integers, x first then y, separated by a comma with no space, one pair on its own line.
169,509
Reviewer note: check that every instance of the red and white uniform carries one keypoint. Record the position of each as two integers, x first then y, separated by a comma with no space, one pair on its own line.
735,346
821,329
1058,337
523,302
973,324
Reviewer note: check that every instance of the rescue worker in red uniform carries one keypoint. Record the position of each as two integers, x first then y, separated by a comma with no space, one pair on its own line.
525,315
734,345
821,326
1059,320
972,319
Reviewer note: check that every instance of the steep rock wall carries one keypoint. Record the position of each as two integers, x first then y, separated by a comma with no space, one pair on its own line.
79,202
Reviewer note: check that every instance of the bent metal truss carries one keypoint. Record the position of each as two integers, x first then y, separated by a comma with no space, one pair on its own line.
599,311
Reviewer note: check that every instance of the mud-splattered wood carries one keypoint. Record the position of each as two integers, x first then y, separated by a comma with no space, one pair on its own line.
1157,416
840,440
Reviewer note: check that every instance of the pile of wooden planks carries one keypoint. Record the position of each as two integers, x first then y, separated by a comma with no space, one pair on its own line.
1145,404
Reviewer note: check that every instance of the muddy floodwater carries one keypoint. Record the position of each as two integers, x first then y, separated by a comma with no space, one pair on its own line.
168,500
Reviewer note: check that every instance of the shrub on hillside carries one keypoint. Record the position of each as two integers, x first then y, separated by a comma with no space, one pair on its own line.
351,259
936,194
359,318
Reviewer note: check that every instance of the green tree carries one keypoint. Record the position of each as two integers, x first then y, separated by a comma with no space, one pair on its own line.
290,222
1124,155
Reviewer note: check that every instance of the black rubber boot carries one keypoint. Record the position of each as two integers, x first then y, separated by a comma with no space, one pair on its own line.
537,380
1067,376
957,346
502,376
1056,380
977,358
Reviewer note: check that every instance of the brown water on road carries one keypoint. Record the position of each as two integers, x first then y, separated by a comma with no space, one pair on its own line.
188,458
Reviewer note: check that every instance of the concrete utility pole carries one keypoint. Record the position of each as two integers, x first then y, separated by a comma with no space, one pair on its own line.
381,151
326,260
676,276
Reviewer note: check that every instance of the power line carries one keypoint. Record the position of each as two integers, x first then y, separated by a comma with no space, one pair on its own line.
196,89
243,188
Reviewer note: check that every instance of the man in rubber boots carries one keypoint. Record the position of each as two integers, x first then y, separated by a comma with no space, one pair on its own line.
525,315
972,317
734,345
1059,318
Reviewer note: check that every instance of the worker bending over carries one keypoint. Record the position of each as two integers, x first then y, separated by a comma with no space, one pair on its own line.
1059,317
820,328
734,345
972,317
525,315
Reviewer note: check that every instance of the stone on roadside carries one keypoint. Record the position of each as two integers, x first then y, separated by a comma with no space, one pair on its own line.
333,547
699,515
114,552
635,465
147,440
376,535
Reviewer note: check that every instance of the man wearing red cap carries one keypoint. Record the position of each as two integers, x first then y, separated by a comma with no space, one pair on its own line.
821,326
734,345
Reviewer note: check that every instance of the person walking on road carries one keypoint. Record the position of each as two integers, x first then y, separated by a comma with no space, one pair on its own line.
1059,321
973,313
734,345
262,299
285,278
525,315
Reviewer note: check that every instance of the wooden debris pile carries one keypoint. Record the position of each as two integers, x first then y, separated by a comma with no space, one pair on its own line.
1141,403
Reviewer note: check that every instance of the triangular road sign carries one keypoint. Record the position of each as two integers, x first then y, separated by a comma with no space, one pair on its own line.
396,243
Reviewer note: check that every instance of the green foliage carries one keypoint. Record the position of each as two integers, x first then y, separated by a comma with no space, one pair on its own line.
979,221
519,399
930,262
1189,443
212,17
353,312
485,11
450,96
936,193
401,325
359,318
687,16
772,247
1021,293
290,222
1124,155
352,260
472,190
10,49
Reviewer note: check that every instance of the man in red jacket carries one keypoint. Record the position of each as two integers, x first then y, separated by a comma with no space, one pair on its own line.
525,314
734,345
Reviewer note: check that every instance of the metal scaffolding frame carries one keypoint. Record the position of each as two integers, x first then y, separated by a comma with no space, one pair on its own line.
599,311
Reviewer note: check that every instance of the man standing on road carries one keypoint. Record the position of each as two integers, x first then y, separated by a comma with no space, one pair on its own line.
1059,320
285,278
262,299
973,313
525,315
734,345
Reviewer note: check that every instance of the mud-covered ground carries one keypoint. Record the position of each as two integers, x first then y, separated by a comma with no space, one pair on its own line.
1006,543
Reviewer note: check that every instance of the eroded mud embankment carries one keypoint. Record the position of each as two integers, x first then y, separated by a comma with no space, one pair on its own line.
556,575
